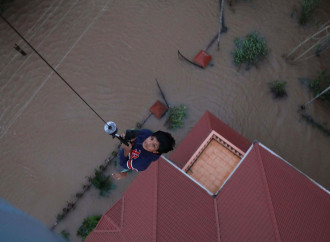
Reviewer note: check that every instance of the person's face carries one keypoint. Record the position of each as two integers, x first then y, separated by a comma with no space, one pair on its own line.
151,144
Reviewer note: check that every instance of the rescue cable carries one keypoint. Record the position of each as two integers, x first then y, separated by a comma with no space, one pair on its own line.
109,127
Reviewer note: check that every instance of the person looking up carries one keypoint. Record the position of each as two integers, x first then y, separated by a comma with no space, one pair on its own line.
144,147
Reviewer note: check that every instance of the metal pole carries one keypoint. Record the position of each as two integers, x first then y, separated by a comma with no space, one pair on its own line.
317,96
220,25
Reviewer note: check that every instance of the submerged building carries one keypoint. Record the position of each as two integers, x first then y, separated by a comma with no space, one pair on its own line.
218,186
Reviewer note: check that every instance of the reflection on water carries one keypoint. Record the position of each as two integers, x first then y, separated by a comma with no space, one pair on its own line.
111,52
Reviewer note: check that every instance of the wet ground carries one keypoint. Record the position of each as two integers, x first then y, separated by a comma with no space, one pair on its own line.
111,52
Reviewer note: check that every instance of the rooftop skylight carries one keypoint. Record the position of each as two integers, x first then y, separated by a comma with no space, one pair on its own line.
213,162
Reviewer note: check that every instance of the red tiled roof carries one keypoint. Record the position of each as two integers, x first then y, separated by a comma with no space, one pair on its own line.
301,208
265,199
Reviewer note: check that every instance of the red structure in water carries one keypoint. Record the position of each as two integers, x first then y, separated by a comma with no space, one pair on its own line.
158,109
202,58
264,199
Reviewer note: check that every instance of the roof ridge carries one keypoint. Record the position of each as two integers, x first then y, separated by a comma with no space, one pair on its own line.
122,211
209,123
217,218
154,225
268,196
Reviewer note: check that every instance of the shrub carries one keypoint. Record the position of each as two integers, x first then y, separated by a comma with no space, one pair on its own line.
65,234
319,84
251,50
101,182
59,217
309,119
4,5
307,10
88,225
278,88
175,117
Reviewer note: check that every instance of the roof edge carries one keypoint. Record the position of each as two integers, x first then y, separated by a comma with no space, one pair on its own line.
238,165
192,179
288,163
109,220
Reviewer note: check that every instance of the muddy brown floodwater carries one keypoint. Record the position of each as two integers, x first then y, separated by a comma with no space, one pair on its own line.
111,51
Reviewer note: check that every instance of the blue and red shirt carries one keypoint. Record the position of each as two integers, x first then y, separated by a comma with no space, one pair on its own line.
139,159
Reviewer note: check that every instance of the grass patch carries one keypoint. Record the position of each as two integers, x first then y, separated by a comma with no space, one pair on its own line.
250,50
278,88
88,225
176,116
307,10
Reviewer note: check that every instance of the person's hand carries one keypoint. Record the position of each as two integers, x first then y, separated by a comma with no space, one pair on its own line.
132,140
127,149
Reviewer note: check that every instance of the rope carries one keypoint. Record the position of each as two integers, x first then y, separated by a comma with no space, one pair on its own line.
195,64
11,26
161,92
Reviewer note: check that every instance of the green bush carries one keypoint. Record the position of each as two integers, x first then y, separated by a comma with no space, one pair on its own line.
59,217
309,119
251,50
4,5
176,116
101,182
278,88
307,10
320,84
65,235
88,225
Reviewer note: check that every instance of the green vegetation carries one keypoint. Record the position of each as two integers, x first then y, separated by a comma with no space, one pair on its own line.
278,88
251,50
176,116
66,235
309,119
59,217
321,83
4,5
101,182
88,225
307,10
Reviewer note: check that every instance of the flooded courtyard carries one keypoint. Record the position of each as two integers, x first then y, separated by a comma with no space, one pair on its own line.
111,51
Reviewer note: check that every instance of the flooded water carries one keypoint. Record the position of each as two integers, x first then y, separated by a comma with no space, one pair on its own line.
111,52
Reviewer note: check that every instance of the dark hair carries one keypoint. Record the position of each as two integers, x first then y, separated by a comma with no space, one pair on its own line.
166,141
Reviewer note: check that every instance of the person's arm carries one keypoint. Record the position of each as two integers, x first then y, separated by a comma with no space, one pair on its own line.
127,149
141,163
132,133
